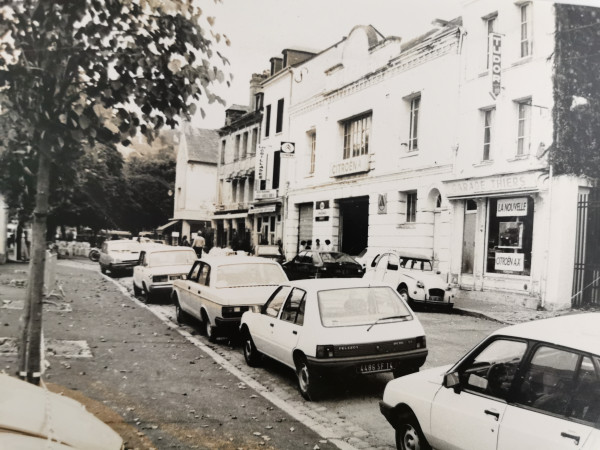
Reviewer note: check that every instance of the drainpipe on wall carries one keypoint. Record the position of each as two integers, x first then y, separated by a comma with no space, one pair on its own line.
542,305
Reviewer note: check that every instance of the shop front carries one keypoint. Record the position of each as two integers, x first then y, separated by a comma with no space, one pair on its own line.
268,229
498,232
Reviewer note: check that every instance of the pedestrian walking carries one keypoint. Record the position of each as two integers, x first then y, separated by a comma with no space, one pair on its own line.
198,244
185,242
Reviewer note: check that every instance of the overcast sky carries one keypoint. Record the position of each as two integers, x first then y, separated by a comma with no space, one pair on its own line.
261,29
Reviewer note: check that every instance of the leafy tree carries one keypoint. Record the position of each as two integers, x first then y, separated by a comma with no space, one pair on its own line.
150,181
576,148
78,73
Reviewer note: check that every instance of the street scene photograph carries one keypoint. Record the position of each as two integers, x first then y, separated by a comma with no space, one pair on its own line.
279,224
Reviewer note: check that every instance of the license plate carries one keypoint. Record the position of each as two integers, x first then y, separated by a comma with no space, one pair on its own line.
435,298
376,367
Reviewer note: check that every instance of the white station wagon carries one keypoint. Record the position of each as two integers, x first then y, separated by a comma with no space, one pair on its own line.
530,386
413,276
317,325
219,289
158,267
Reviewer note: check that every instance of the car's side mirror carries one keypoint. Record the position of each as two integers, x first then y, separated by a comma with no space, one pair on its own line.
452,380
391,266
141,259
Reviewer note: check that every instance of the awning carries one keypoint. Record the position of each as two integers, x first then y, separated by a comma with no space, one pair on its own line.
167,225
230,216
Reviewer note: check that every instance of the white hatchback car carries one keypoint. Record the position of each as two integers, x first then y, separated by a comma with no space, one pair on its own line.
414,277
219,289
534,385
119,256
318,325
158,267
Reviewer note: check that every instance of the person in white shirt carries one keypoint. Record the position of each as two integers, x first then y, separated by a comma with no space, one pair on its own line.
327,246
198,244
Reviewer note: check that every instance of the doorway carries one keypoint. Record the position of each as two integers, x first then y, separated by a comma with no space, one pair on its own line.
469,231
354,224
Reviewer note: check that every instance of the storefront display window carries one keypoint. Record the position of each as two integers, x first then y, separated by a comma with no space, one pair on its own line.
510,235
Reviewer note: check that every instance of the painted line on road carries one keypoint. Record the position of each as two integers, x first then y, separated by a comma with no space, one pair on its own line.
323,431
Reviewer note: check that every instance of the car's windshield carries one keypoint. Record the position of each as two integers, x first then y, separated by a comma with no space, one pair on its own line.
336,257
237,275
360,306
172,258
124,247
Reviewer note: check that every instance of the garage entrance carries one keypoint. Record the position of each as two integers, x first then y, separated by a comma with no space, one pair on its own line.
354,224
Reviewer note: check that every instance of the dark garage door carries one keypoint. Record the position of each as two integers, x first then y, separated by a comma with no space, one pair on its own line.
354,224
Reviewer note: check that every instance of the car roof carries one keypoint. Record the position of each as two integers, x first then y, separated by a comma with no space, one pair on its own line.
320,284
236,259
577,331
158,248
408,254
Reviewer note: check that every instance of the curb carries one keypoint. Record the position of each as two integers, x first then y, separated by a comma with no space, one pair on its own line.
480,315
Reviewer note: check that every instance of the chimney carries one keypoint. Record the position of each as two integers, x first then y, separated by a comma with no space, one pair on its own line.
276,65
255,89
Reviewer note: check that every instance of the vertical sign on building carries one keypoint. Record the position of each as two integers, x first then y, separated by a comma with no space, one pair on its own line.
495,43
261,163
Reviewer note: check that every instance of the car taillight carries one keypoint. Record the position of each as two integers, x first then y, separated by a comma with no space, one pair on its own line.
325,351
160,278
421,342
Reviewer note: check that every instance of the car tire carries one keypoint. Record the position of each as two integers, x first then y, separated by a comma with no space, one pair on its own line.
180,314
136,290
308,384
148,297
210,331
251,353
405,295
102,269
401,371
410,437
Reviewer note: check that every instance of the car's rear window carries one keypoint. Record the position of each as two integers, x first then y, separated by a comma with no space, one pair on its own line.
336,257
238,275
359,306
172,258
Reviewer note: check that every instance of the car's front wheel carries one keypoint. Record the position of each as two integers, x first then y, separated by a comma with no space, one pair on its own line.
209,330
148,297
136,290
410,437
180,314
403,291
308,383
251,353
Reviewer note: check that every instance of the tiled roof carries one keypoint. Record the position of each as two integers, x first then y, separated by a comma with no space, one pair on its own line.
202,144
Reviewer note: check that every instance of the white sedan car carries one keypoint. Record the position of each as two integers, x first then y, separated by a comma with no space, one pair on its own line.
219,289
158,267
319,325
530,386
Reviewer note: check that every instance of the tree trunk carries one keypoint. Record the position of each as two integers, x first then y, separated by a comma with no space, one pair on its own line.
31,320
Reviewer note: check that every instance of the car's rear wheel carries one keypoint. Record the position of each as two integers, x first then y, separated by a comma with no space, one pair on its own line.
210,331
102,269
410,437
308,384
251,353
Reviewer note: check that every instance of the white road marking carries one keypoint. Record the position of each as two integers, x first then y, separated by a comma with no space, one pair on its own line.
332,433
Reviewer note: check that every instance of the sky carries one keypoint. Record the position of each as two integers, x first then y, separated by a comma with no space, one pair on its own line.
260,29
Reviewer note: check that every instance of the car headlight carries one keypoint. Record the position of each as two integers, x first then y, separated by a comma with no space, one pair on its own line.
420,285
160,278
449,287
325,351
116,260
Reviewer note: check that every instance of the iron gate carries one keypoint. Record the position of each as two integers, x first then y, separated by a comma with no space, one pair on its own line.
586,276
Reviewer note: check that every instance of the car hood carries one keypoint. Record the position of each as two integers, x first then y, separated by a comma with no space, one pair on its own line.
434,375
246,295
23,410
430,279
381,332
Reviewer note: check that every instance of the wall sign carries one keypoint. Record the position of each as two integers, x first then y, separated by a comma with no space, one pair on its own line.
382,204
269,193
510,261
288,149
322,211
261,163
349,166
510,207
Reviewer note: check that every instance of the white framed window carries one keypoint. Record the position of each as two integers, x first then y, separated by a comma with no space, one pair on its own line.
236,149
490,24
356,136
312,144
223,145
413,141
525,30
411,207
523,126
488,128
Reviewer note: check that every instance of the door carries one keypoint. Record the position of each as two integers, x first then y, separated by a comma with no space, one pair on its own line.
305,222
392,270
381,267
185,288
469,232
468,416
354,224
262,329
289,326
556,404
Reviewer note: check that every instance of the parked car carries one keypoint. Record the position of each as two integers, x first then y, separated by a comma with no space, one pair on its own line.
366,257
270,251
219,289
158,267
119,256
316,326
25,421
414,277
317,264
532,385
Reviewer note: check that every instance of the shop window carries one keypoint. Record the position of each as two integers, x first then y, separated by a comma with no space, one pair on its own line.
356,136
510,235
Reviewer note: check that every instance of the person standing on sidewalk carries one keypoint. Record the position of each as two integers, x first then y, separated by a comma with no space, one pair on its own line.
198,244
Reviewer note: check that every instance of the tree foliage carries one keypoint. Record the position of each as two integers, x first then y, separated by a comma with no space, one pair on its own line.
576,148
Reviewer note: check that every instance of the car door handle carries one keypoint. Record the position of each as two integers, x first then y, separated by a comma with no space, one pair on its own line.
199,291
272,324
189,287
294,332
571,436
491,412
